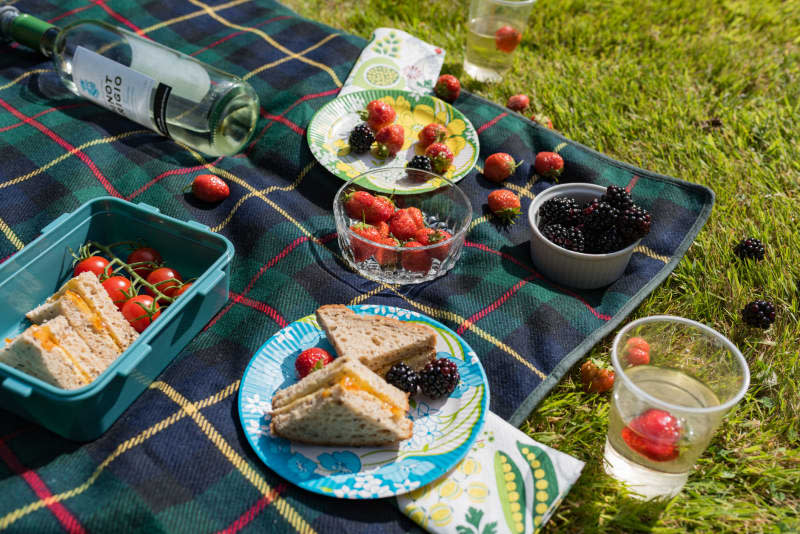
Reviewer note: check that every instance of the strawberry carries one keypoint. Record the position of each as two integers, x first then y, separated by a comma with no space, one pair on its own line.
416,216
210,188
429,236
380,210
432,133
544,120
504,204
518,103
390,140
311,360
447,87
378,115
386,257
637,351
356,204
654,434
507,38
383,228
402,225
548,164
415,260
362,250
596,379
441,157
499,166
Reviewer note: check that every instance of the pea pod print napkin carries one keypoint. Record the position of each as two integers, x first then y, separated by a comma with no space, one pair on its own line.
507,483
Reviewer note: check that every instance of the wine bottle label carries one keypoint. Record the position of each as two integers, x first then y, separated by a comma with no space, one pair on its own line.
121,89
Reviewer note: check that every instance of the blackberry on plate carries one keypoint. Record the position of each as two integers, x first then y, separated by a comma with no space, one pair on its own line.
617,197
569,238
403,377
439,378
361,138
422,163
560,210
599,215
634,223
759,313
750,248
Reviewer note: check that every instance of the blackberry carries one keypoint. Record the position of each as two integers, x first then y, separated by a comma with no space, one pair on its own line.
750,248
617,197
604,242
419,162
439,378
599,215
568,238
759,313
559,210
403,377
634,223
361,139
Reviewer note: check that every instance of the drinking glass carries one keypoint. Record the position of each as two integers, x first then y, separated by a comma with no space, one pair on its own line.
494,29
664,411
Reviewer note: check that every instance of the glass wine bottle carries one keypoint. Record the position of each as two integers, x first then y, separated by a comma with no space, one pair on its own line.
165,90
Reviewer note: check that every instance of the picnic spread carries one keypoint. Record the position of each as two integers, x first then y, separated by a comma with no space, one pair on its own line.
181,428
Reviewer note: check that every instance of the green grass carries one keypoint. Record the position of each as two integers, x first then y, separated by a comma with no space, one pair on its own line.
637,81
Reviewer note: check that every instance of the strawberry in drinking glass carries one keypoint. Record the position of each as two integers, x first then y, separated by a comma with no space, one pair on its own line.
386,256
447,87
548,164
504,204
499,166
507,38
379,211
637,351
415,260
430,236
441,157
362,250
518,103
402,225
378,114
356,204
383,228
654,434
311,360
432,133
416,216
389,140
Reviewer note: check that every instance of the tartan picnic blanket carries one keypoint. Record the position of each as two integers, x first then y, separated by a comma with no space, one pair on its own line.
177,461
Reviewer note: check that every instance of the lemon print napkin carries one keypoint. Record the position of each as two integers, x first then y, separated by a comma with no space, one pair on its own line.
507,483
394,59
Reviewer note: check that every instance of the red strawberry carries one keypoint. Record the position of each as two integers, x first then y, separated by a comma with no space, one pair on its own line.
362,250
386,257
390,140
518,103
383,228
441,157
596,379
507,38
654,434
210,188
380,210
548,164
429,236
356,204
415,260
402,225
504,204
499,166
432,133
544,120
447,87
417,216
378,115
637,351
311,360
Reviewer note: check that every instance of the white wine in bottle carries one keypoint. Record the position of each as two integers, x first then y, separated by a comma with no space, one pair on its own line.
165,90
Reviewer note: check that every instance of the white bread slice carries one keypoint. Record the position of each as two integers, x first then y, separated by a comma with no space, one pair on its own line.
50,352
339,416
88,287
378,342
359,376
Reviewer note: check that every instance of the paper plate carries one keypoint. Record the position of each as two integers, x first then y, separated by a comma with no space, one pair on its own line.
444,429
330,129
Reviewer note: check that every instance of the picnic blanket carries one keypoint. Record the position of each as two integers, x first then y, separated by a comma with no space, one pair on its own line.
177,460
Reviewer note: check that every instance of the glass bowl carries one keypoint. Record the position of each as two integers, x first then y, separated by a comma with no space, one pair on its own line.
444,207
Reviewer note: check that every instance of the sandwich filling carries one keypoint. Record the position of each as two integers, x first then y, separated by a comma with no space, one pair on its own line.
95,318
45,337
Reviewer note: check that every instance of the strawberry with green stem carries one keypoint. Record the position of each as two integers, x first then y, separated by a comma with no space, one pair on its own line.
504,204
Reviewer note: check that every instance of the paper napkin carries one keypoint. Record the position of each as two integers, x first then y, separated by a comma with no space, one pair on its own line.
393,59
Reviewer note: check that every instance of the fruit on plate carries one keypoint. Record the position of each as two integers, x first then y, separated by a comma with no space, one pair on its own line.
144,260
93,264
518,102
389,140
430,236
637,351
750,249
596,378
415,260
378,114
422,163
759,314
447,87
432,133
504,204
311,360
361,138
441,157
119,289
499,166
403,378
402,225
140,311
356,204
570,238
439,378
506,38
548,164
380,210
654,434
362,250
210,188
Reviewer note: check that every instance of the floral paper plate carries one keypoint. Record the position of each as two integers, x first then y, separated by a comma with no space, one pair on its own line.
330,128
444,429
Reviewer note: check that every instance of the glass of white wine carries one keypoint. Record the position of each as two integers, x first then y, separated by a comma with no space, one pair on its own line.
675,380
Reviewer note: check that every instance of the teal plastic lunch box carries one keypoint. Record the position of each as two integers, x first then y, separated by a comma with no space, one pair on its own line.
34,273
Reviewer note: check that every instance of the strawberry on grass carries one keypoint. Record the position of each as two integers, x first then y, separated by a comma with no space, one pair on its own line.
518,102
504,204
596,378
447,87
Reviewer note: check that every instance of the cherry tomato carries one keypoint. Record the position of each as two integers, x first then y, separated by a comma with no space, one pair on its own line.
140,311
92,264
160,278
144,254
183,289
118,288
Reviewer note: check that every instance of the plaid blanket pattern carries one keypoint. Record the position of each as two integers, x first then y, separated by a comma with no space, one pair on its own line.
176,461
